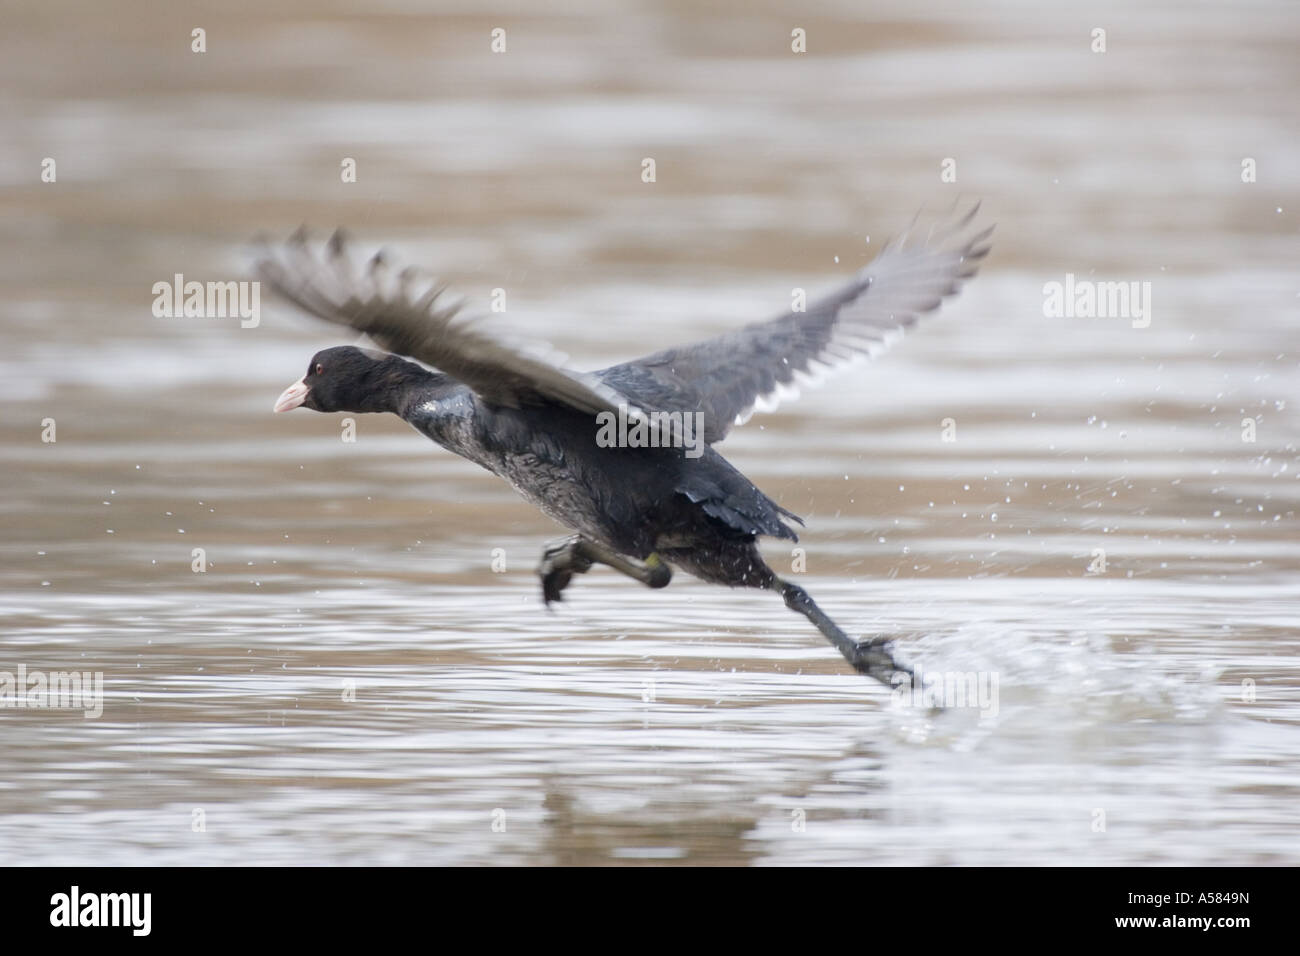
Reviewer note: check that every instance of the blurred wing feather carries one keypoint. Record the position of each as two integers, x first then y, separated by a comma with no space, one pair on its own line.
404,313
732,375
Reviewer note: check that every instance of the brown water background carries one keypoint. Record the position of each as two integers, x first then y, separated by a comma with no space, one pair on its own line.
1145,714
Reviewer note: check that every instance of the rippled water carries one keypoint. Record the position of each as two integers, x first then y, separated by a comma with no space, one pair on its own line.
350,681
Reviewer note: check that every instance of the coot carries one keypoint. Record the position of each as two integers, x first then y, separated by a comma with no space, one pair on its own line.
624,456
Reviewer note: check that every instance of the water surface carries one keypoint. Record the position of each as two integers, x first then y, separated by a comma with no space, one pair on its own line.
351,682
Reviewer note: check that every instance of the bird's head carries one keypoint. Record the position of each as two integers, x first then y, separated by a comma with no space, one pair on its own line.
343,379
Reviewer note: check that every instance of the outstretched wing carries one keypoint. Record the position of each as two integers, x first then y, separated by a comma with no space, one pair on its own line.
730,376
404,313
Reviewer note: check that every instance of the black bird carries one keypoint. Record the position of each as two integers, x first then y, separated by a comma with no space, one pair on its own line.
624,456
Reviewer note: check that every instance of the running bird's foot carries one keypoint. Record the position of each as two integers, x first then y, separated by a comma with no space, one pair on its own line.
575,555
560,562
874,657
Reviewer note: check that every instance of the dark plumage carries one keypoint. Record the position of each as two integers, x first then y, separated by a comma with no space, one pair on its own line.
523,415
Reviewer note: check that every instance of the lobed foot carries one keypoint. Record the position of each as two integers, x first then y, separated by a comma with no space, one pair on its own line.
874,657
560,562
575,555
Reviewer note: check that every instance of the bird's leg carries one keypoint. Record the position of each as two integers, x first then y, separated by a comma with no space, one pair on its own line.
870,657
575,555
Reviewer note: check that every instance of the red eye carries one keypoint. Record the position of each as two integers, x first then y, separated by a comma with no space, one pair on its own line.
320,369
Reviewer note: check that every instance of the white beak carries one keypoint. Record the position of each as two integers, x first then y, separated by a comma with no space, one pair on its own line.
292,397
